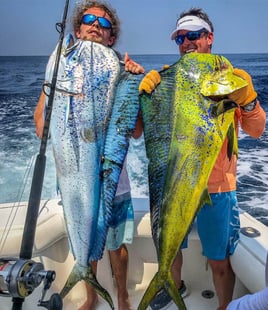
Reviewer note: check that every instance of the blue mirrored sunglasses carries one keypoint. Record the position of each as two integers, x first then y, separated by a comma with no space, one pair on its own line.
89,19
191,36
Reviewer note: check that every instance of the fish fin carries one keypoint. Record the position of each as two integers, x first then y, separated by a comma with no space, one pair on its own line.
157,139
159,282
85,273
74,277
154,287
232,147
173,292
223,106
204,199
91,279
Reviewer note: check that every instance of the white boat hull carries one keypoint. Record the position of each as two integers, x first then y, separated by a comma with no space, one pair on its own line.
52,250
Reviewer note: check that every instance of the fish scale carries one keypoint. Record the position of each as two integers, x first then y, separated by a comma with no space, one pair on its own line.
189,131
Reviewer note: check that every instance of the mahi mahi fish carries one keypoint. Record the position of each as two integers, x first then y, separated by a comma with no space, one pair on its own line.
186,120
85,90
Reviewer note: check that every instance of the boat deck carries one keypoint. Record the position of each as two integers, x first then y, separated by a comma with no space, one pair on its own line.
52,249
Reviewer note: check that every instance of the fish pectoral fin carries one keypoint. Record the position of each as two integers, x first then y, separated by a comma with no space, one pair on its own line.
223,106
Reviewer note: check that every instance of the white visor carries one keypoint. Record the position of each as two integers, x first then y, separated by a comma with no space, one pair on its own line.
190,23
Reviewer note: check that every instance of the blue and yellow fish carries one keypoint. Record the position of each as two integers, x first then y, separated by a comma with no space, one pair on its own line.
186,121
85,91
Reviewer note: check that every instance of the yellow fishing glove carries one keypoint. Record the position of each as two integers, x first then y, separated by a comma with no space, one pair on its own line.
245,95
165,67
149,82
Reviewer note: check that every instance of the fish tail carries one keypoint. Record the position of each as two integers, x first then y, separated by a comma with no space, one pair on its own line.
90,278
173,292
74,277
85,273
162,282
155,286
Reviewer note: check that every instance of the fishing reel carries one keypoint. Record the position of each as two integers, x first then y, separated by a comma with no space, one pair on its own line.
19,278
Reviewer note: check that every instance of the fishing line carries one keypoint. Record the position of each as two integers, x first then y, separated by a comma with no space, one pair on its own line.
29,230
60,27
40,164
16,205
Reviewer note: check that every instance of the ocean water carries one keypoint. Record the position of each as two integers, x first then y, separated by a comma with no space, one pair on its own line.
21,81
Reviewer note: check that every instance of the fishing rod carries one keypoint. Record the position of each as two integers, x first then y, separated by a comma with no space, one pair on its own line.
21,276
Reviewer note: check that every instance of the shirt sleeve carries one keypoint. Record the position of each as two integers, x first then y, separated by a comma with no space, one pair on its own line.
257,301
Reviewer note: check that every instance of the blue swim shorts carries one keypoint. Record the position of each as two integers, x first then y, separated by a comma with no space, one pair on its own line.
121,228
218,226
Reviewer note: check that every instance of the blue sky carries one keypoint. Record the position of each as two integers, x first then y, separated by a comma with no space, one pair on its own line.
241,26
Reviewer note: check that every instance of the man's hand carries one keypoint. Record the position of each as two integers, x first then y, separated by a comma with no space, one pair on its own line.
149,82
245,95
132,66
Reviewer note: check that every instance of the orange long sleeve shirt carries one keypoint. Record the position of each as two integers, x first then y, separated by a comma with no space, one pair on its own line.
223,175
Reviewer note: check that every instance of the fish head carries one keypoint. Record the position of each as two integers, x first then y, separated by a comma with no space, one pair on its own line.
70,75
221,81
68,72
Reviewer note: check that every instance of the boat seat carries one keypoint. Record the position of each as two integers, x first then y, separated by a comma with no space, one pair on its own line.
50,230
251,251
143,239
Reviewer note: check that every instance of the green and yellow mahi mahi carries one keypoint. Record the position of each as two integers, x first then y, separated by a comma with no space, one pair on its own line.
184,130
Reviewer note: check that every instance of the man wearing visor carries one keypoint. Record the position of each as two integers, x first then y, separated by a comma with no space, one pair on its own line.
218,226
189,33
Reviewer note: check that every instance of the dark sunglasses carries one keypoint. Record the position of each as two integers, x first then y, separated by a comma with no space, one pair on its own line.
89,19
191,36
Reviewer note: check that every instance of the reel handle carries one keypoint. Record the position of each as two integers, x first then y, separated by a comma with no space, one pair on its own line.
54,303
